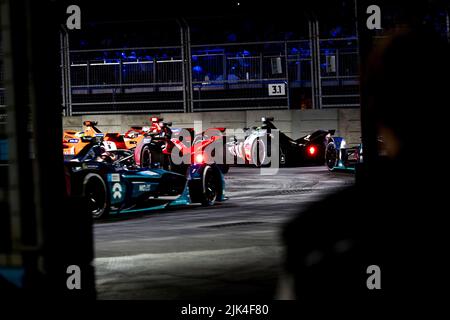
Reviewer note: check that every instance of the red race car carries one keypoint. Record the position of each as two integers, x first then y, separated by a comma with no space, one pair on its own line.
160,143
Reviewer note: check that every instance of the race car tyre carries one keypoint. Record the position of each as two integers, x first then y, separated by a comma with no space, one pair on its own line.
208,191
152,159
258,153
146,157
94,189
331,158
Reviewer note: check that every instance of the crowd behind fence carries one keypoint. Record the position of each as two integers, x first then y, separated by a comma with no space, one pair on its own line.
233,76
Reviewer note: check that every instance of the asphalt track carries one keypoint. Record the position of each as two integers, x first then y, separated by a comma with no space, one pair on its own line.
232,250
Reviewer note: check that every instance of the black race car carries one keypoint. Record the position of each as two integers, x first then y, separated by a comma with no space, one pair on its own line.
254,148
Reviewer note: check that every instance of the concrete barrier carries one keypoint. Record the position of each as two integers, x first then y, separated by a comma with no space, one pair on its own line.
295,123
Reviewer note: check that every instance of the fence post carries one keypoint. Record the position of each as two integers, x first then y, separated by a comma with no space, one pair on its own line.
189,75
312,65
319,70
288,83
315,64
183,67
120,76
65,72
69,77
154,70
186,58
225,71
88,76
261,70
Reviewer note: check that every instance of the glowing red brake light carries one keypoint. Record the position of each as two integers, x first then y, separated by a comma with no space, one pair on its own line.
199,158
312,150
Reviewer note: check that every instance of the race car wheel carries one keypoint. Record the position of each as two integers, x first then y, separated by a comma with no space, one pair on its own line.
210,189
207,192
152,159
146,157
94,189
258,153
331,157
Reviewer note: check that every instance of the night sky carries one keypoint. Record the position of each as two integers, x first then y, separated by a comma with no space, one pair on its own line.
145,23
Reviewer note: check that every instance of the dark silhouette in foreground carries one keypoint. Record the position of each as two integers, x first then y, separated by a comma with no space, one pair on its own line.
393,217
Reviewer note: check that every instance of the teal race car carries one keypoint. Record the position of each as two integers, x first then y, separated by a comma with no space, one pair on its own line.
113,184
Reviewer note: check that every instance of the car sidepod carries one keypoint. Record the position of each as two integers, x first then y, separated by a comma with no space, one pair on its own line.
145,190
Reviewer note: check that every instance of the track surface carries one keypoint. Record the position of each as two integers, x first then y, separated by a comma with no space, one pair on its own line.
231,250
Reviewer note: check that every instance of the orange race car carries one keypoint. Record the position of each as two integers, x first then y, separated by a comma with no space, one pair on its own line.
74,142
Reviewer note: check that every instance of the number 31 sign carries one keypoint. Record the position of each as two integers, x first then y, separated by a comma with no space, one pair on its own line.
277,89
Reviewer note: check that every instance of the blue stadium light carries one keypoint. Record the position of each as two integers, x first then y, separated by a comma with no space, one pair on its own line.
197,69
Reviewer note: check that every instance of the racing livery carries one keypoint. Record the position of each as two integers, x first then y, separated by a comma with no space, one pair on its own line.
112,183
254,148
161,141
74,142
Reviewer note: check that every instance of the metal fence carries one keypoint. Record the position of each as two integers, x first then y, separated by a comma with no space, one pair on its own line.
339,73
126,80
299,74
240,76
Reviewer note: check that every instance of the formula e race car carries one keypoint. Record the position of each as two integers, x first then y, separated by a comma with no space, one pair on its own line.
112,183
258,141
161,142
74,142
340,157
